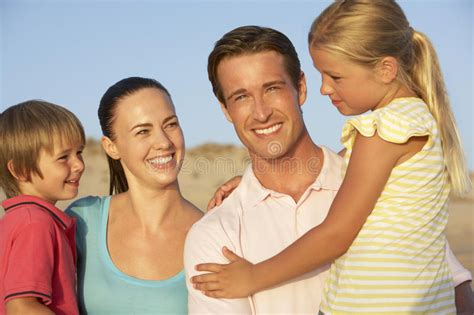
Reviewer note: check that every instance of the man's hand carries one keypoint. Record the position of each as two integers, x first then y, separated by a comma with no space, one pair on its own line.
224,191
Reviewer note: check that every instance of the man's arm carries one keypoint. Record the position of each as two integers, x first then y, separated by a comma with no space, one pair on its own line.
204,243
462,281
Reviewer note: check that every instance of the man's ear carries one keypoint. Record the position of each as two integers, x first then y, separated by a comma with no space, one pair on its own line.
11,169
302,89
110,148
388,69
226,112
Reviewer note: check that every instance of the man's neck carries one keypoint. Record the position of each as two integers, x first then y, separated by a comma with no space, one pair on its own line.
292,173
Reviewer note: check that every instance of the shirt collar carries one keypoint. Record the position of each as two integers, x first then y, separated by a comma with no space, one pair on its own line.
59,216
330,178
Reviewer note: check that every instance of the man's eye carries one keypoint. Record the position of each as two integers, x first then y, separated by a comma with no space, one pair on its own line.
240,97
172,125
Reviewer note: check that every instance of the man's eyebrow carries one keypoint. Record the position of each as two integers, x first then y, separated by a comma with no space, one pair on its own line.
169,118
276,82
235,93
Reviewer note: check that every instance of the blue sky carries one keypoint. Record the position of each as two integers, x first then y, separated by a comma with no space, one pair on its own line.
69,52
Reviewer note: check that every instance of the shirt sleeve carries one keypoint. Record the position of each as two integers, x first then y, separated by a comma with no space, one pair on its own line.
204,244
458,272
30,263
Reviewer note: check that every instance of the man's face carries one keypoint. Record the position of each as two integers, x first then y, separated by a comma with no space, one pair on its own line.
262,103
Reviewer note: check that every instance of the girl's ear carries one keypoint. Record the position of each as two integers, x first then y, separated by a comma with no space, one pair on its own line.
11,169
388,69
110,148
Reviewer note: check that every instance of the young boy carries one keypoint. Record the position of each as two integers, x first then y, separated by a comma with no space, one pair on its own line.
40,163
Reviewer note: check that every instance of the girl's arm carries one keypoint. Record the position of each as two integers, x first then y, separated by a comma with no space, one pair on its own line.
371,163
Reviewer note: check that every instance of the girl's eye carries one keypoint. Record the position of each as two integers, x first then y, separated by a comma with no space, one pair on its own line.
335,78
62,158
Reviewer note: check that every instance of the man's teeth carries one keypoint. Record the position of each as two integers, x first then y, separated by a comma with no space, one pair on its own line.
161,160
269,130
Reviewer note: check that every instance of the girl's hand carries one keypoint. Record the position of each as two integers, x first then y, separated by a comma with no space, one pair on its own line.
223,192
233,280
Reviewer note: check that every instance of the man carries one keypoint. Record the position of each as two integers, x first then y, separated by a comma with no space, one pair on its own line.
290,184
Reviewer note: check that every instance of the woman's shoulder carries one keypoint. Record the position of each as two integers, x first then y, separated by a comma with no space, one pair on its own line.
90,205
193,213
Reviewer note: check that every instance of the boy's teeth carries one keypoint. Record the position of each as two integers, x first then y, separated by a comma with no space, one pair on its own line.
268,130
161,160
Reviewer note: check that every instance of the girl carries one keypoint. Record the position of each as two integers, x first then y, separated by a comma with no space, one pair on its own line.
403,157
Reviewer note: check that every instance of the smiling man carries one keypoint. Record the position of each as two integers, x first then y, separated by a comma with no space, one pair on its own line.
289,186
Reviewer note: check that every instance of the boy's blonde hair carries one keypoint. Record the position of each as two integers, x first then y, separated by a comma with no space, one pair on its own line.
365,31
25,130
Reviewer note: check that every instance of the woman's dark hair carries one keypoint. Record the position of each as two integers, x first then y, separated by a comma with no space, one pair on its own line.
107,109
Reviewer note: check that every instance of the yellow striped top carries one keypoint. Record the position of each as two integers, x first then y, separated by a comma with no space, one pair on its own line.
396,264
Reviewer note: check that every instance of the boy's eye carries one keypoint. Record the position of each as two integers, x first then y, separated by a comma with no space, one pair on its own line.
142,132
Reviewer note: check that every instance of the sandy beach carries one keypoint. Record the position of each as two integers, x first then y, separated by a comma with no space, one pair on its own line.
209,165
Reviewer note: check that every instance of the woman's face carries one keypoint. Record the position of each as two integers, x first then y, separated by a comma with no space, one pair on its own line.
148,139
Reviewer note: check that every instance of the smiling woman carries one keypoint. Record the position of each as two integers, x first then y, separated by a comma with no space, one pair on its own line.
139,271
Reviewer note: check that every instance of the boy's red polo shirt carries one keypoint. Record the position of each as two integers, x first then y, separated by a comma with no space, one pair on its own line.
37,254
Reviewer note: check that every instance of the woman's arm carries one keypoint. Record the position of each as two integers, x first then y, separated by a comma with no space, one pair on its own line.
371,163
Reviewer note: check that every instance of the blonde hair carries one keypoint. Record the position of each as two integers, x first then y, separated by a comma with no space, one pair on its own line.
25,130
365,31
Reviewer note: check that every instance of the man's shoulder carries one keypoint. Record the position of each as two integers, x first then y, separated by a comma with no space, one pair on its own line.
224,218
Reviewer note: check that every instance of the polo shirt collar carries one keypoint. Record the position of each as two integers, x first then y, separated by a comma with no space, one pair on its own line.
253,192
59,216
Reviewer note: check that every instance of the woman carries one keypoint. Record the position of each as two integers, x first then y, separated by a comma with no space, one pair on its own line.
130,244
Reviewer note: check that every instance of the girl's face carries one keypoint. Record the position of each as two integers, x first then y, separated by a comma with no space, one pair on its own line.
352,88
148,139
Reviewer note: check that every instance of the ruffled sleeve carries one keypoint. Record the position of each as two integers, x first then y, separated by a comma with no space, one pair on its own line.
394,123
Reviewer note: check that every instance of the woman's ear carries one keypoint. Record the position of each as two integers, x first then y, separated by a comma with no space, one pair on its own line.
388,69
110,148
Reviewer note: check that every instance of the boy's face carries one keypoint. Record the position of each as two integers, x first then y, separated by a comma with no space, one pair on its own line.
61,169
